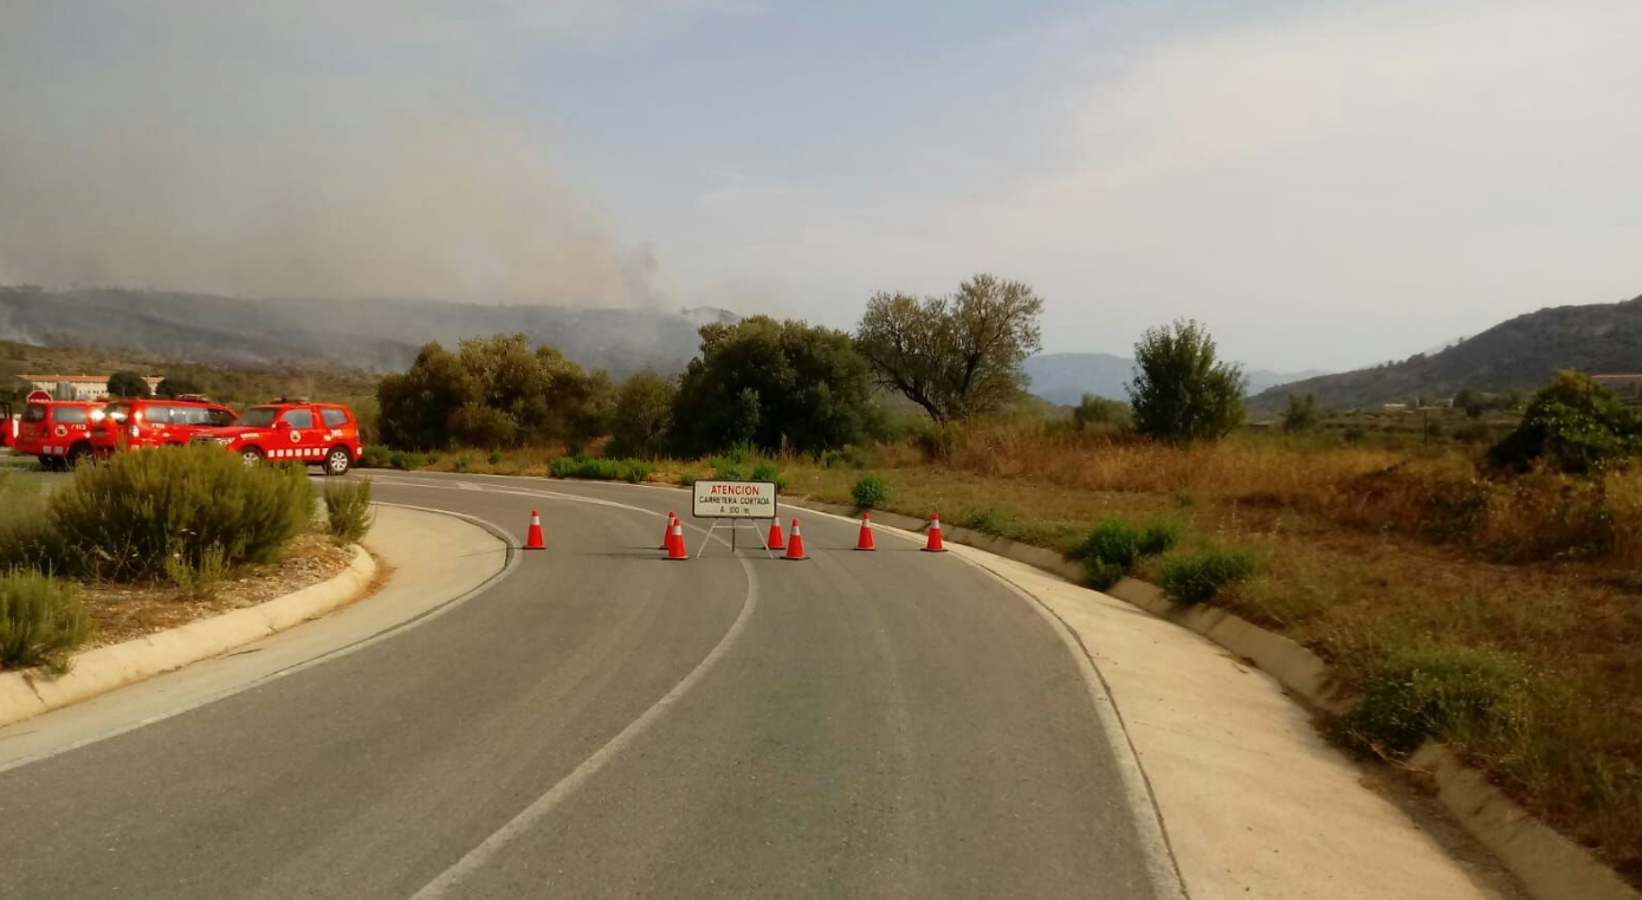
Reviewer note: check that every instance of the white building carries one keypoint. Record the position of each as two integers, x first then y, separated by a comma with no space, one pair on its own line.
79,387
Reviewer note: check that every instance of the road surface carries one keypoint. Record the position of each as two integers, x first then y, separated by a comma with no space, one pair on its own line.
603,723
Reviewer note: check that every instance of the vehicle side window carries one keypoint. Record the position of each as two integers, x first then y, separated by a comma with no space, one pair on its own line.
69,415
36,412
299,418
188,415
333,417
219,418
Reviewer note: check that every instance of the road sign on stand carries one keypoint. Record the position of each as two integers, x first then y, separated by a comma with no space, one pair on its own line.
737,501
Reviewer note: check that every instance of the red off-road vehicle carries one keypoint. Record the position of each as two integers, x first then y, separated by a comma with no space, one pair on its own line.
292,430
135,424
58,432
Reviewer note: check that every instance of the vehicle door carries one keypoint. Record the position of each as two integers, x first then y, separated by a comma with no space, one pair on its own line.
299,435
34,428
8,428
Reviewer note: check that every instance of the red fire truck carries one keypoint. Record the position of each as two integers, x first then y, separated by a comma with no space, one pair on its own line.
292,430
57,432
153,422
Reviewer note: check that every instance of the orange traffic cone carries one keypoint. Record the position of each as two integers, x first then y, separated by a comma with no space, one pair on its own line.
935,545
864,542
533,537
667,532
776,541
795,547
675,544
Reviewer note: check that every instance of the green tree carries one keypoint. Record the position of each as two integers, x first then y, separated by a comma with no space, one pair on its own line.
958,356
1473,401
1575,424
776,385
417,406
1181,391
1101,411
127,384
1301,414
643,413
494,392
173,386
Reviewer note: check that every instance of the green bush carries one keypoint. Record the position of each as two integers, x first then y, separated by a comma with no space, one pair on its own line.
41,621
405,460
1114,542
1575,424
870,491
348,510
124,520
376,457
1114,546
199,580
1198,576
596,469
496,457
1159,536
766,471
1451,692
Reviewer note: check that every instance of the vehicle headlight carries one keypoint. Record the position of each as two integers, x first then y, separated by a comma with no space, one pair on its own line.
224,441
135,431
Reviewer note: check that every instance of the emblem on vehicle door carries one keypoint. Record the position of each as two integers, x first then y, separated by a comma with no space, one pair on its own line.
62,430
295,435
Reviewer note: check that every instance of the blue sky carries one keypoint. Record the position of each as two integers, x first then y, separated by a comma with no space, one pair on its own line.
1326,184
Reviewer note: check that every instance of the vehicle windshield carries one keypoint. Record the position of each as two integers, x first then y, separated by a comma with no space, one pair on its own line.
117,411
259,417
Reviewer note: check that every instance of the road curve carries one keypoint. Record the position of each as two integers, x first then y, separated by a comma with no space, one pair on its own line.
602,723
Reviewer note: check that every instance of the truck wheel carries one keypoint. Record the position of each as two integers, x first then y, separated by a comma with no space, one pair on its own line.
48,463
77,454
338,461
252,457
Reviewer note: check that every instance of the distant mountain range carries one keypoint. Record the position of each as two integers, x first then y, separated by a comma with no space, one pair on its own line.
375,335
1523,353
1065,377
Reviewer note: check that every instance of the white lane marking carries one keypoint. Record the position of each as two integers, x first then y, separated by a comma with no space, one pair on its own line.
476,858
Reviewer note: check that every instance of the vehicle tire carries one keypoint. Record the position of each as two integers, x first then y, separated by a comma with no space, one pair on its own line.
48,463
77,454
252,457
338,461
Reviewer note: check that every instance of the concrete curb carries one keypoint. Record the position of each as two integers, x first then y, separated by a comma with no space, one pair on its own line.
26,694
1550,866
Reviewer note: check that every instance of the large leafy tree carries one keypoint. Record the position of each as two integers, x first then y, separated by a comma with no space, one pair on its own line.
127,384
1182,391
777,385
640,424
958,356
1575,424
494,392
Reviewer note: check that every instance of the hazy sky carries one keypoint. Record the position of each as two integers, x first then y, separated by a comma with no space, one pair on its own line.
1326,184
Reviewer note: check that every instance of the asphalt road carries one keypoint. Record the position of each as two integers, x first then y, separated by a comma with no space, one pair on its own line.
602,723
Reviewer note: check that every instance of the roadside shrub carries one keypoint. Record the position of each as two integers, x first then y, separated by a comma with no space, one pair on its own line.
1198,576
198,581
766,471
1112,548
376,457
1095,410
1453,692
597,469
870,491
123,520
496,457
1114,542
988,519
41,621
405,460
348,510
1159,536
